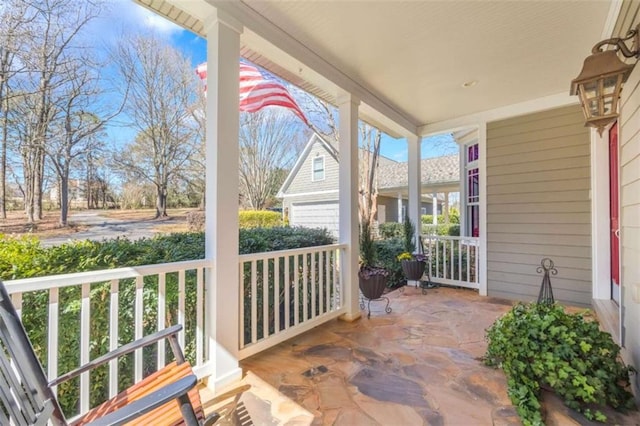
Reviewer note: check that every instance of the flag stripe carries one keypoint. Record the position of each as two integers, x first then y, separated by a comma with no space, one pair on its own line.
258,90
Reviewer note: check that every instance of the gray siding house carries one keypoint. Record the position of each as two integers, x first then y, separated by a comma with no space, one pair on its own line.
310,192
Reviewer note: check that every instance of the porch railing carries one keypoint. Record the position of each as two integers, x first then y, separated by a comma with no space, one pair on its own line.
285,293
89,313
453,260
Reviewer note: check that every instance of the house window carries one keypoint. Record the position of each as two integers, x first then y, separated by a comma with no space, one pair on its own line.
423,210
318,169
472,172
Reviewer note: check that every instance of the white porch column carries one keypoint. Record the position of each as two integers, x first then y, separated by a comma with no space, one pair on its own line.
222,292
435,208
415,183
445,208
463,190
348,203
399,208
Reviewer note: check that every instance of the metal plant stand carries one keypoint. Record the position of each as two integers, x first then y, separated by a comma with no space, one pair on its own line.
546,293
387,308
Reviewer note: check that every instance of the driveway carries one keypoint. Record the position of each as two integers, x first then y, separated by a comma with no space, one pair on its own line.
102,227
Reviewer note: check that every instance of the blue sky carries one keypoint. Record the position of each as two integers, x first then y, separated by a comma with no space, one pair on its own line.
134,18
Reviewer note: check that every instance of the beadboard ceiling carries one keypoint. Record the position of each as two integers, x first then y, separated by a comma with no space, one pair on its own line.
415,56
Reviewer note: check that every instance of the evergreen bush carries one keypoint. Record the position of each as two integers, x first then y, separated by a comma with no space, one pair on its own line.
540,345
390,230
259,219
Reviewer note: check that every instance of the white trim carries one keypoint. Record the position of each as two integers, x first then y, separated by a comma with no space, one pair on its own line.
600,217
414,181
463,187
305,194
313,168
612,18
348,204
482,146
522,108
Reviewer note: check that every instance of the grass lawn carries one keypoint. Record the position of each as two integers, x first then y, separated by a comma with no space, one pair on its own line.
16,223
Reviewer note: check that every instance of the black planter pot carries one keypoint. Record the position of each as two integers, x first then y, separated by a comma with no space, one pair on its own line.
373,286
413,269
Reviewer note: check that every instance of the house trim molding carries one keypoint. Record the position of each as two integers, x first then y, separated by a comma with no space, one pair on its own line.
513,110
600,244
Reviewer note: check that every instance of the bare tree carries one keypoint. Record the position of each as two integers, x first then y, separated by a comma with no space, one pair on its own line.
78,128
53,43
370,139
269,142
14,21
162,92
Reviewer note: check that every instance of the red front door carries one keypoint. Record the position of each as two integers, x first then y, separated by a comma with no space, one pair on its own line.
614,212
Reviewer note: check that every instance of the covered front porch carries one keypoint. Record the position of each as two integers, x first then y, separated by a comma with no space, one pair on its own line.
539,178
419,365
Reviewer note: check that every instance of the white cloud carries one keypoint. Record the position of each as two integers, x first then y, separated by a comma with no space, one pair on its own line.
153,21
125,16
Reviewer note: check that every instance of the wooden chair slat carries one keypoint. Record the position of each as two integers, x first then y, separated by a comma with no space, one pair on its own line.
22,369
169,413
18,402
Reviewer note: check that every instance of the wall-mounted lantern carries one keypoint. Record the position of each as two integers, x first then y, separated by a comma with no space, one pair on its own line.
600,81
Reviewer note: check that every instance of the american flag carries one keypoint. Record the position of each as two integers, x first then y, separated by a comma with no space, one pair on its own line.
258,90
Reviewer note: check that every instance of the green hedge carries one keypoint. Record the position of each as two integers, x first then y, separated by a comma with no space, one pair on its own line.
259,219
25,257
390,230
387,252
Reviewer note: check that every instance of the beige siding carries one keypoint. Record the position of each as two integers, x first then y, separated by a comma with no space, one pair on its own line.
302,182
629,141
538,182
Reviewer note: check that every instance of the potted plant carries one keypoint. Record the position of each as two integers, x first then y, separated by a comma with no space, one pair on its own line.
413,264
372,278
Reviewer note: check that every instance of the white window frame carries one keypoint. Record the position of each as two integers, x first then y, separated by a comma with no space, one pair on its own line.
313,169
465,204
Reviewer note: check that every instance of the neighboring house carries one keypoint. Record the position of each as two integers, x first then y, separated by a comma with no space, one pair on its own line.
310,192
77,194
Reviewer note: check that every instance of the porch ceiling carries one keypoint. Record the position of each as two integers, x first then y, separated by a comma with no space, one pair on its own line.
412,57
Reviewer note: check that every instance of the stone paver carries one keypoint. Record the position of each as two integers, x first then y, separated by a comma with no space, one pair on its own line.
419,365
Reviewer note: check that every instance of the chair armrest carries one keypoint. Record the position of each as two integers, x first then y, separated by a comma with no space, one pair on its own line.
148,403
116,353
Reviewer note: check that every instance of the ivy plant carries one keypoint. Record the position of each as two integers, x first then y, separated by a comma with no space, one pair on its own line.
542,346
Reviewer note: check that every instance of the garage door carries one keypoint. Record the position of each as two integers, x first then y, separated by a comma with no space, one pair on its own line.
316,215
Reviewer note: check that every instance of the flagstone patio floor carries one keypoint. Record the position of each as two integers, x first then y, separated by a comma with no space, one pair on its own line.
418,365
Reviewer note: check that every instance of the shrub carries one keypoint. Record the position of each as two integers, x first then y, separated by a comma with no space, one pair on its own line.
408,234
541,345
259,219
390,230
257,240
386,252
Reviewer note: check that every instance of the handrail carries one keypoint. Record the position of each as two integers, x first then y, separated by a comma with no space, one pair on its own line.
289,252
77,278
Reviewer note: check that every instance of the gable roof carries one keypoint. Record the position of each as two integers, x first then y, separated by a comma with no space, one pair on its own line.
331,150
391,173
